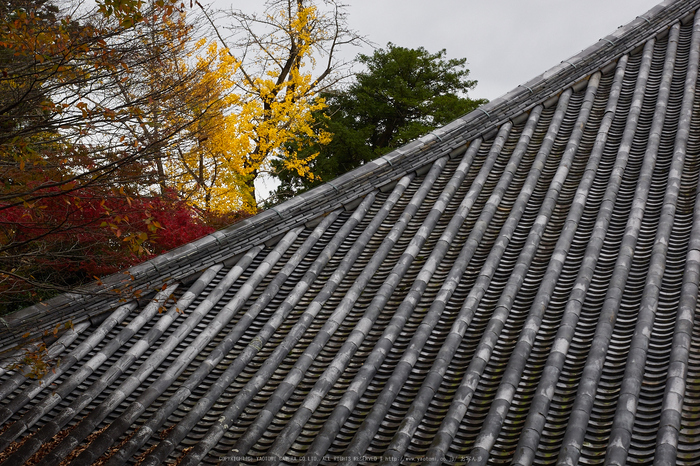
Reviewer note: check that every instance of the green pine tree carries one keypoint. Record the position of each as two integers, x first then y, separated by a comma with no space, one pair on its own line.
403,94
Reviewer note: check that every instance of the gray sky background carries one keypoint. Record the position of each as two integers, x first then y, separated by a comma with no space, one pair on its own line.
506,42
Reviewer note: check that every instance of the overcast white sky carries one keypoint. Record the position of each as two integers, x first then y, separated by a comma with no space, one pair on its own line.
506,42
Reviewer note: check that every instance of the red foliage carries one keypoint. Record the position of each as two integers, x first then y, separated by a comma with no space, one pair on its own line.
88,233
180,223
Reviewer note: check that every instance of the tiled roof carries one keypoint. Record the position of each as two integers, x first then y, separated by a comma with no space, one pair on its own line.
518,287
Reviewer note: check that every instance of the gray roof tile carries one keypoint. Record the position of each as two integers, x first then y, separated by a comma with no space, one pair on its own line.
519,286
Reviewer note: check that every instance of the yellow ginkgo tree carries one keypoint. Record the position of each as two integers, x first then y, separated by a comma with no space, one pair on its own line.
206,168
259,96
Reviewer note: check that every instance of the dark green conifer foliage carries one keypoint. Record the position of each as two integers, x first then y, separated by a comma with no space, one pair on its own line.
402,94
